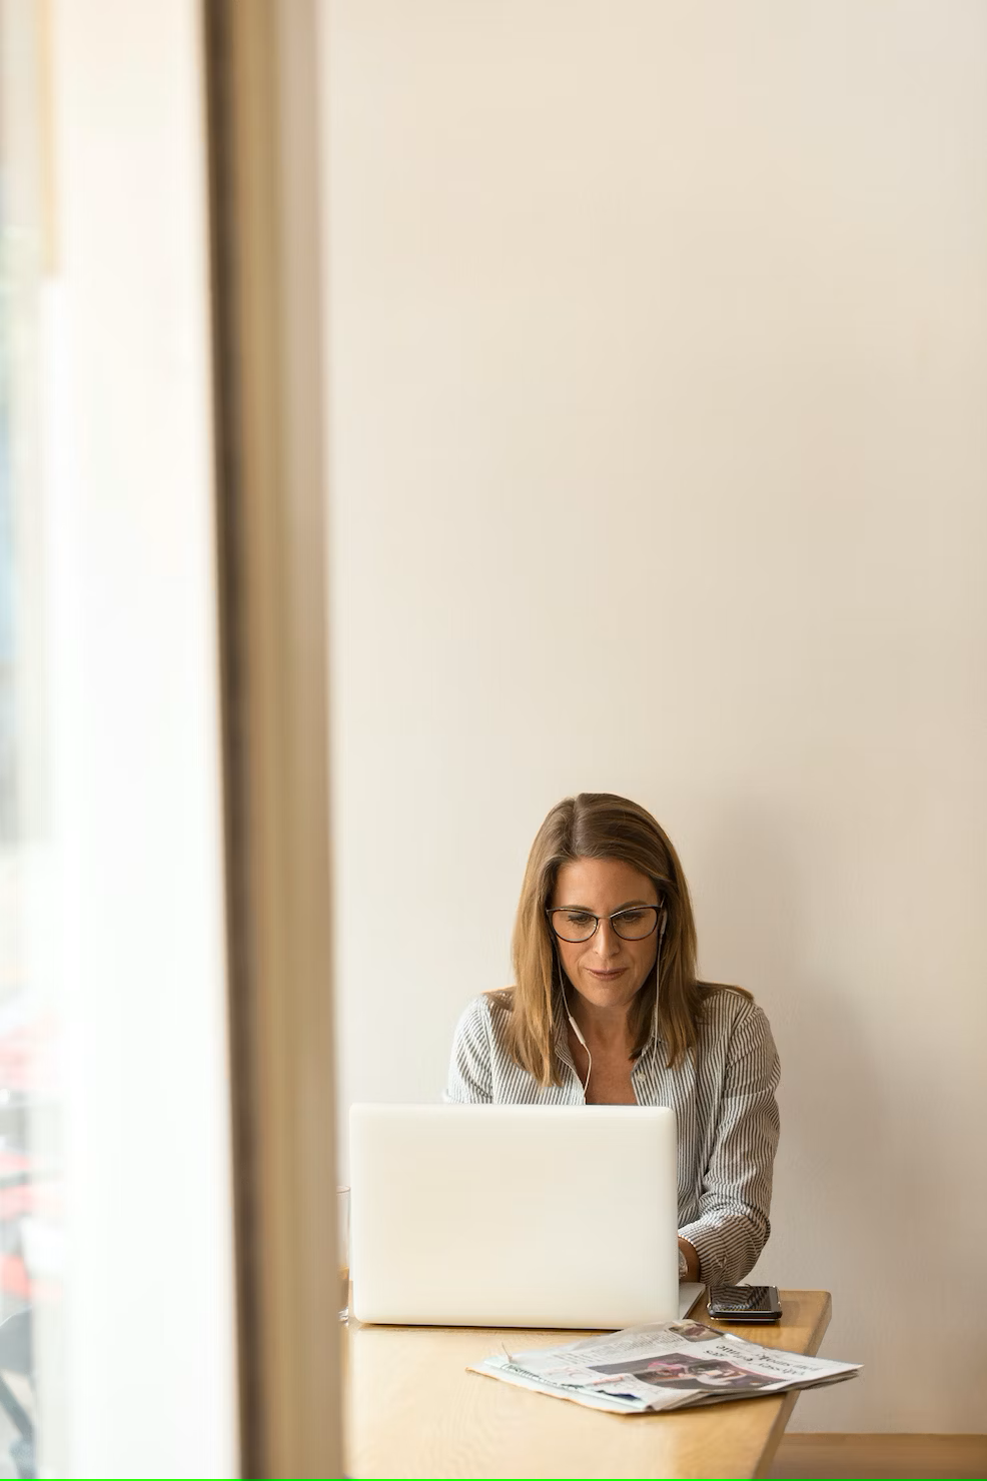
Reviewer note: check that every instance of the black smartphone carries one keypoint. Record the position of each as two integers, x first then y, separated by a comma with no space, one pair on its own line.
744,1303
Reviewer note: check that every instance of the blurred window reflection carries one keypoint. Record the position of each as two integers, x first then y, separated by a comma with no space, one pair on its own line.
31,1234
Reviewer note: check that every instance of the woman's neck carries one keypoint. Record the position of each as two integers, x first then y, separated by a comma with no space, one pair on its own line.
606,1030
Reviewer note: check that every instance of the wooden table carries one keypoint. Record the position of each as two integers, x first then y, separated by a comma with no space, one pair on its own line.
412,1409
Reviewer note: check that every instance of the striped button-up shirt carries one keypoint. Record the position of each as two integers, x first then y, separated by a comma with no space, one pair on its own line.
723,1095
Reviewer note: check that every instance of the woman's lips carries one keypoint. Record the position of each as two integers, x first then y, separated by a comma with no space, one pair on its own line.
607,976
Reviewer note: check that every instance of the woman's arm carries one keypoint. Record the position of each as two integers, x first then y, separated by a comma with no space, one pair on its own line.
733,1227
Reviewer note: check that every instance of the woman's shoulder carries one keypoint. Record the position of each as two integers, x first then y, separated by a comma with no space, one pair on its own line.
730,1012
498,998
480,1039
477,1051
485,1013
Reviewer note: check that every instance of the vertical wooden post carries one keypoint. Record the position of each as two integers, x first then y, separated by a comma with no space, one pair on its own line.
263,95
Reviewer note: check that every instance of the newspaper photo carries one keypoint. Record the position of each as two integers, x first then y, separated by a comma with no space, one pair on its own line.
674,1365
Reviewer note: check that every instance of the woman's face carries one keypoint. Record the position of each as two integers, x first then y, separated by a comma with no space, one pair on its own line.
606,970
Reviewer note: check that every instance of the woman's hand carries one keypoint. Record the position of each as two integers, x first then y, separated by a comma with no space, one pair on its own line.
691,1260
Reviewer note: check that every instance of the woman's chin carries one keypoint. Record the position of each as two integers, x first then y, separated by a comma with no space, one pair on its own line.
607,992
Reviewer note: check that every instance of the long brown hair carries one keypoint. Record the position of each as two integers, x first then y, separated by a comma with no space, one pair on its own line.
599,825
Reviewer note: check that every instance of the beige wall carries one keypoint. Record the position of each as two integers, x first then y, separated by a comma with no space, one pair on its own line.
659,366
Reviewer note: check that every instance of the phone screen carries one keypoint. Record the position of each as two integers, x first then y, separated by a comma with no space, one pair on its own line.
744,1299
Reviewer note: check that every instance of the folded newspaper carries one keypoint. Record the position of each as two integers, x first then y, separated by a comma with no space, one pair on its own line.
674,1365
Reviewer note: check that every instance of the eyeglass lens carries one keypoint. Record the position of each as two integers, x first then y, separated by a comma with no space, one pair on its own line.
580,925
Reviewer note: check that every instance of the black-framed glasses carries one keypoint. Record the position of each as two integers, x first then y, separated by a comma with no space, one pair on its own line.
633,924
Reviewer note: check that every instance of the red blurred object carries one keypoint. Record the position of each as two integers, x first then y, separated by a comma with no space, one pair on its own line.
27,1054
13,1276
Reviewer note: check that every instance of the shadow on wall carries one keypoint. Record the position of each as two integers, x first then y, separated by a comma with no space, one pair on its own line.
861,1185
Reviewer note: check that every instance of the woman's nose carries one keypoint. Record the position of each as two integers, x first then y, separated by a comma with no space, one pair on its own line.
607,941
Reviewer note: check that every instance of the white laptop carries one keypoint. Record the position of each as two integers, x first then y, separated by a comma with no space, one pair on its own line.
514,1216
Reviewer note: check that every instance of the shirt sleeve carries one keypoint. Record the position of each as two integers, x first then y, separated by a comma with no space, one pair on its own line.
470,1065
733,1226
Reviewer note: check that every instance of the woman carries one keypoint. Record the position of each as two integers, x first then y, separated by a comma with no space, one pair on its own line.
607,1009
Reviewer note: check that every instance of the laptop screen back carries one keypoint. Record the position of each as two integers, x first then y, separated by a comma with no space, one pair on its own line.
527,1216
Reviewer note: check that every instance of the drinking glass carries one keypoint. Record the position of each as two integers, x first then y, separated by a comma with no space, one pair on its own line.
343,1250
